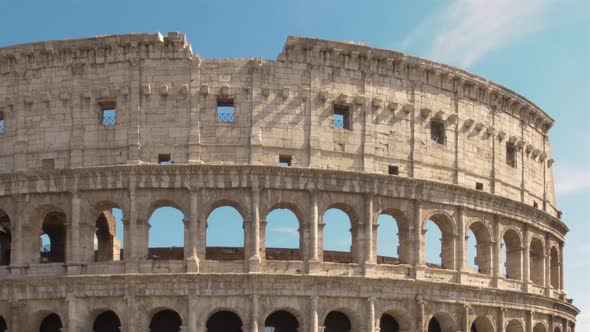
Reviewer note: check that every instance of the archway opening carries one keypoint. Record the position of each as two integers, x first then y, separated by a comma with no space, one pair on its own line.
555,266
442,322
482,324
224,321
337,236
434,325
3,326
537,260
166,321
5,239
54,229
107,243
282,235
439,242
51,323
225,234
337,321
107,321
388,323
166,234
281,321
514,326
479,248
539,327
511,254
388,240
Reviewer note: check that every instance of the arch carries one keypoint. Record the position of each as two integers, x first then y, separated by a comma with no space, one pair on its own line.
540,327
107,243
51,323
54,227
338,240
281,321
107,321
402,319
282,236
512,257
224,321
514,325
444,223
225,233
3,326
166,234
441,322
336,321
483,247
401,223
557,329
555,266
537,261
482,324
165,321
5,238
388,323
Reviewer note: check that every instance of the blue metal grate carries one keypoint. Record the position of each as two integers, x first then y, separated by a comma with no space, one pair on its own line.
2,127
225,116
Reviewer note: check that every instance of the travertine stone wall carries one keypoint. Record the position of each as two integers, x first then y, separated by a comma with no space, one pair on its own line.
61,167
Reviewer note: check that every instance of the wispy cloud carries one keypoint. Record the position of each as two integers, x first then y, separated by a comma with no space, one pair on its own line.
570,179
466,30
284,230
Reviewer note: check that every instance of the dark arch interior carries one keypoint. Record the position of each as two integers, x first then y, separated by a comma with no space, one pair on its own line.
224,321
5,240
388,324
108,321
3,326
434,325
51,323
336,322
54,226
166,321
281,321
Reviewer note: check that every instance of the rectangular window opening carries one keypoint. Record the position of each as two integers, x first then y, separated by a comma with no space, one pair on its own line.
285,161
438,132
226,111
535,204
342,117
2,124
109,116
393,170
479,186
164,159
511,155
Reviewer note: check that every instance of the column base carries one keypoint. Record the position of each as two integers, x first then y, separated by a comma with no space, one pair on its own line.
132,265
419,272
369,268
74,269
254,264
313,266
192,264
18,270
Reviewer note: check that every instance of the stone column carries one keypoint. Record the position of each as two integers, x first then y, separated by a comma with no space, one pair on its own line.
371,327
72,312
526,260
561,267
255,231
73,253
501,314
133,325
497,273
547,266
313,244
254,314
466,326
313,313
17,238
417,234
192,313
15,321
421,315
190,250
529,322
131,238
461,243
370,257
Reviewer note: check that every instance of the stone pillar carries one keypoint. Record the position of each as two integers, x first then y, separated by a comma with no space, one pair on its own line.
497,273
133,324
370,257
526,260
131,239
501,314
190,249
15,321
466,326
313,244
547,266
561,266
417,234
313,313
371,327
17,238
72,312
254,314
529,321
254,260
192,313
461,243
73,251
420,327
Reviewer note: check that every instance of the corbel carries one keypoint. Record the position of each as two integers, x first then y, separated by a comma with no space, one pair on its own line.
468,123
204,89
147,89
164,90
304,94
452,118
425,112
439,115
501,135
360,100
479,126
377,102
265,92
224,91
285,92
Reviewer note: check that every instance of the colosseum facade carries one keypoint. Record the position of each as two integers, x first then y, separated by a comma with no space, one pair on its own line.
135,122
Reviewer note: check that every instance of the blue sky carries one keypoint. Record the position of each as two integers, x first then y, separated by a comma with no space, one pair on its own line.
539,48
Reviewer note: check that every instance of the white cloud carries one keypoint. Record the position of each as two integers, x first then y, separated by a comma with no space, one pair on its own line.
284,230
571,179
466,30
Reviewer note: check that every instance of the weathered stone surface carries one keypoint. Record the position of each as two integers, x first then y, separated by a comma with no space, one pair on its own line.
61,159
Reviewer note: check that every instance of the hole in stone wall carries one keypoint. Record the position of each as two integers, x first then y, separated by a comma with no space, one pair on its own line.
342,117
164,159
226,110
437,132
511,155
285,161
479,186
393,170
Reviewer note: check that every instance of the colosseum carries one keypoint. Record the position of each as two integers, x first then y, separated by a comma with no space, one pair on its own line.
138,122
